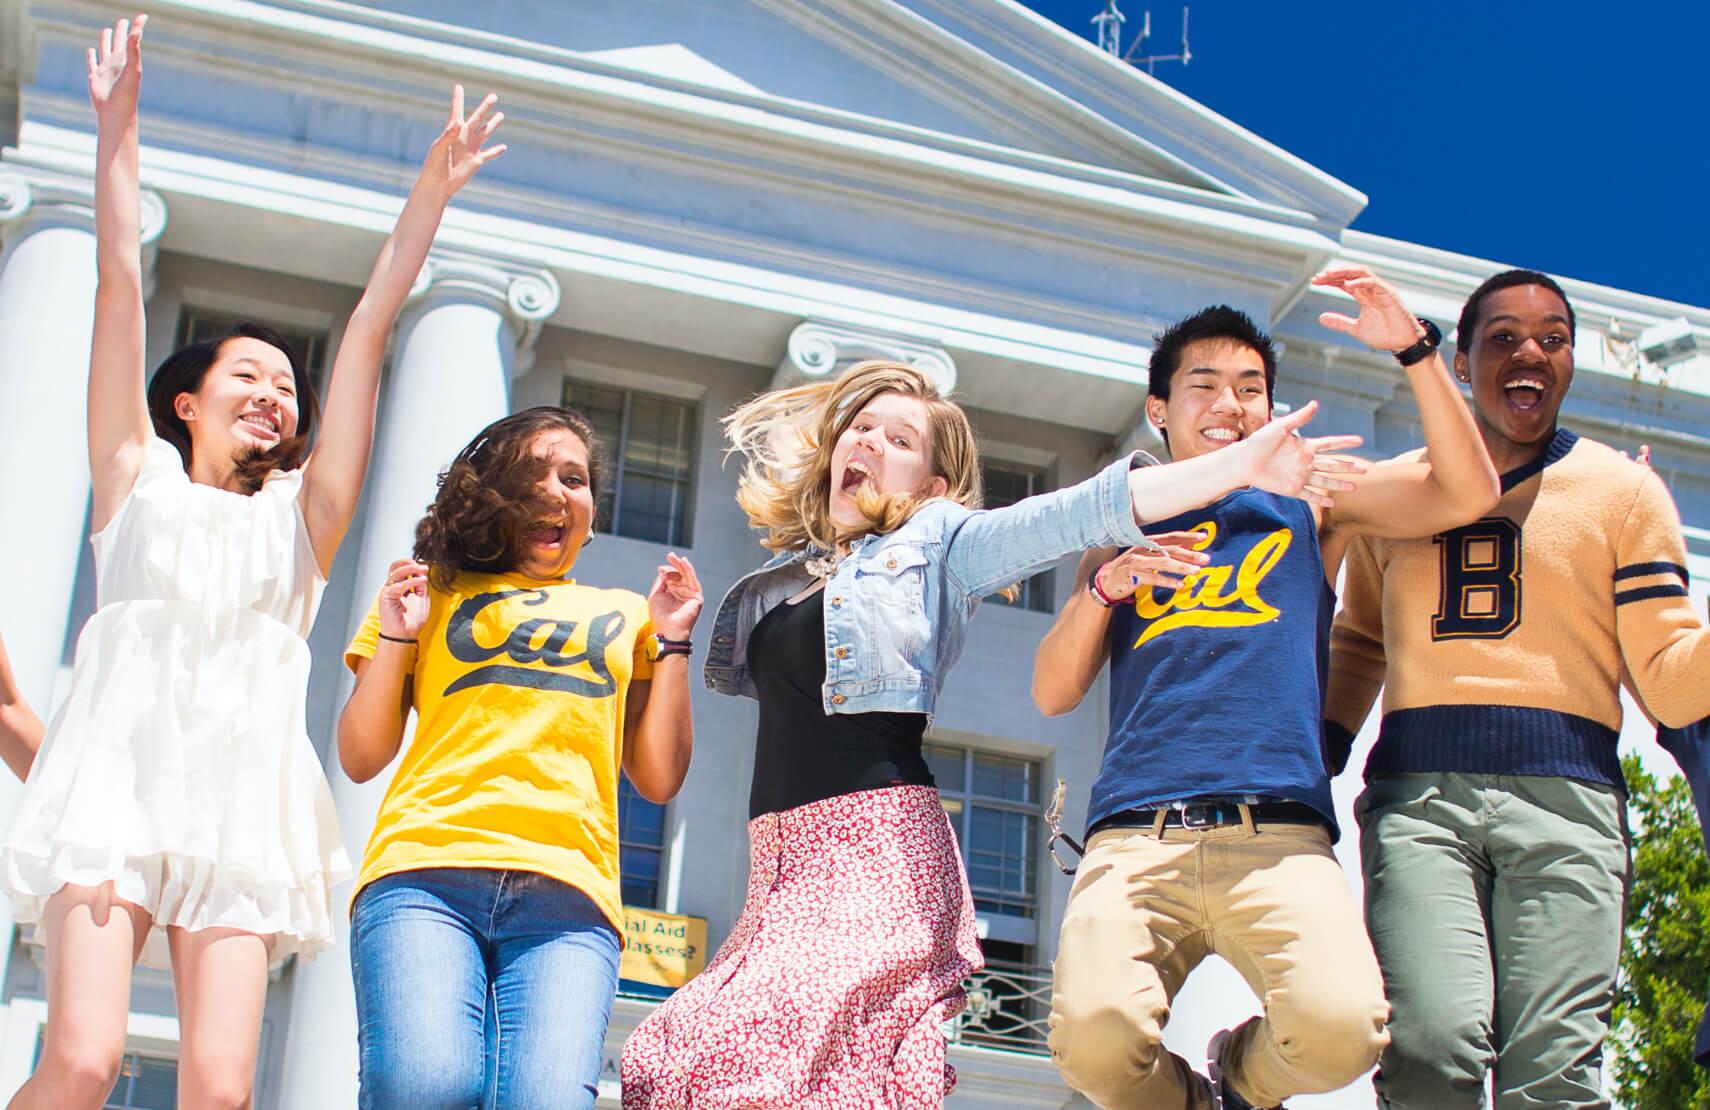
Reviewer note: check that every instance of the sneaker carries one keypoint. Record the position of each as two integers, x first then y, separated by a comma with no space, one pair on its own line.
1223,1094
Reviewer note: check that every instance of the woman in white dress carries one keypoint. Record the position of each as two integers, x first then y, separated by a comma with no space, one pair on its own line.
176,789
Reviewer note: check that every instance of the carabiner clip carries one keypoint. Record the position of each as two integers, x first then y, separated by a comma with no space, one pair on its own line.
1053,817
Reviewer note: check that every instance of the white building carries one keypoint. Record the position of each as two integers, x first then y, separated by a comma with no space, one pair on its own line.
703,197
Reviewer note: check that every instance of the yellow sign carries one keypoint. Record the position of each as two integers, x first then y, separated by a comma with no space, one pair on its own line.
664,949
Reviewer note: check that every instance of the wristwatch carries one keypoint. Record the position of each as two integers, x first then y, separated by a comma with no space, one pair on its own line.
1421,350
658,647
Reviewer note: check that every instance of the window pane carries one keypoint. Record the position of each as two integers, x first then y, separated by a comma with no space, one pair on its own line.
145,1083
1005,484
641,843
651,441
1013,780
946,767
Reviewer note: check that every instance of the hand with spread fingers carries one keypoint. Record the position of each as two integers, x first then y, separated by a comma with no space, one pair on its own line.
674,603
404,601
1281,460
1384,323
1138,567
115,70
461,148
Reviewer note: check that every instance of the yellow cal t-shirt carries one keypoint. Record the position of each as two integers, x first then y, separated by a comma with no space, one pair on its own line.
519,691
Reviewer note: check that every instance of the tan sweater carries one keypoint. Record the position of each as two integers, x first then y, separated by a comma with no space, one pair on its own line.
1501,645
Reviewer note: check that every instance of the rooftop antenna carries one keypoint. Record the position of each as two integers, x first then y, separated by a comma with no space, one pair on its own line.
1109,23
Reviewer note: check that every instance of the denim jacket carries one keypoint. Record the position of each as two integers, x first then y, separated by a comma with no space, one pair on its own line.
898,605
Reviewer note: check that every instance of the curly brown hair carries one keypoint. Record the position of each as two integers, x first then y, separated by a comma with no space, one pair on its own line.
487,497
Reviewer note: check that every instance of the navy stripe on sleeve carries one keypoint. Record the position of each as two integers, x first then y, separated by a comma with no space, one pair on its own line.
1641,570
1646,593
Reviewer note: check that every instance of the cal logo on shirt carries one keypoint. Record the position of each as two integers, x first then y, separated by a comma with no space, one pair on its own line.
538,640
1216,596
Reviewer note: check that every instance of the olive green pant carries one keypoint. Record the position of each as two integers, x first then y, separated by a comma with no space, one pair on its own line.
1496,905
1147,908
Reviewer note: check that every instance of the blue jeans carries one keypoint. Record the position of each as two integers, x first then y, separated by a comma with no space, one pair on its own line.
480,988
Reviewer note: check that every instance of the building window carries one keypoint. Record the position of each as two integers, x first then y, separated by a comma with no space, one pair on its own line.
1005,484
145,1083
641,846
652,445
195,325
994,806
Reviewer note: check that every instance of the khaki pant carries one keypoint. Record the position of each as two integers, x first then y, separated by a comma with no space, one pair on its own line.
1496,903
1146,909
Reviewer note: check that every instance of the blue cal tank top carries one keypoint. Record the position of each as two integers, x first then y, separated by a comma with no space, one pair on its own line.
1217,687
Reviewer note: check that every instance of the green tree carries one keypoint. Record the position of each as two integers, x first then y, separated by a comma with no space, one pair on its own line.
1665,957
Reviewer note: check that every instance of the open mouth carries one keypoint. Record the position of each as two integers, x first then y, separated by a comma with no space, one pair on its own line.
1221,434
1525,392
854,473
545,534
264,426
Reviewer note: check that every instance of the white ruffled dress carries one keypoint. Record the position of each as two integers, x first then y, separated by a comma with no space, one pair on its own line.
179,767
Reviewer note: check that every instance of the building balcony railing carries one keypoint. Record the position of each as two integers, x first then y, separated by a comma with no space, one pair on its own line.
1006,1010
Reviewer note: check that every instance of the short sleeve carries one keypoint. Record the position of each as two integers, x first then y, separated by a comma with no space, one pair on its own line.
641,669
367,639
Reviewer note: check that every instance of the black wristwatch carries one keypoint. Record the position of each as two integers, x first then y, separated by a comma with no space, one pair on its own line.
1423,349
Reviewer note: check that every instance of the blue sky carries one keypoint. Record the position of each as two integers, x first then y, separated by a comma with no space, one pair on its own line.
1568,136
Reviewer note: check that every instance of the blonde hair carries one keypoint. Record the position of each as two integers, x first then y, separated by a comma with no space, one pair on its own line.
787,437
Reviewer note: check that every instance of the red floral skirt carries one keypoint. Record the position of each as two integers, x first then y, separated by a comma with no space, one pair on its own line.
834,985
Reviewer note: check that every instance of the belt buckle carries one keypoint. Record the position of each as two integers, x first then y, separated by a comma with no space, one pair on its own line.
1202,815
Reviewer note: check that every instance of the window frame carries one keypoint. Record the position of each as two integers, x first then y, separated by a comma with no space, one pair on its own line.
662,849
1038,591
999,925
686,487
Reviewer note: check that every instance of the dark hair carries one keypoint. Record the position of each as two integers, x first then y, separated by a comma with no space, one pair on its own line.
487,495
1507,279
183,371
1219,322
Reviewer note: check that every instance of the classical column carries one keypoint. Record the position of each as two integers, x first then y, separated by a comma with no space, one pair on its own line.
47,312
818,350
467,329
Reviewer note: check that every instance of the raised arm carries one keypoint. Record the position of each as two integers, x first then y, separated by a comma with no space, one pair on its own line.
20,728
332,479
659,730
1455,482
119,428
371,727
1069,658
990,550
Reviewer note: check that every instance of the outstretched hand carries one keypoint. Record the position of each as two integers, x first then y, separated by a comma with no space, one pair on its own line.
674,602
115,70
1176,556
1286,462
1384,324
461,148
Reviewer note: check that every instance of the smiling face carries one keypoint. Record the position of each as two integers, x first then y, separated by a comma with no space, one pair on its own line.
564,505
247,401
1519,361
887,447
1217,397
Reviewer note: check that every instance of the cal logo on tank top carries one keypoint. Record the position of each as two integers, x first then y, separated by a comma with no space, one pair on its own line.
1216,686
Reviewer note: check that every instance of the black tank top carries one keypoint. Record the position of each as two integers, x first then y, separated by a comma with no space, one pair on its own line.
803,754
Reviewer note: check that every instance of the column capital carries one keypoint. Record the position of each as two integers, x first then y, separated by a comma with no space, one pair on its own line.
527,296
31,199
819,349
